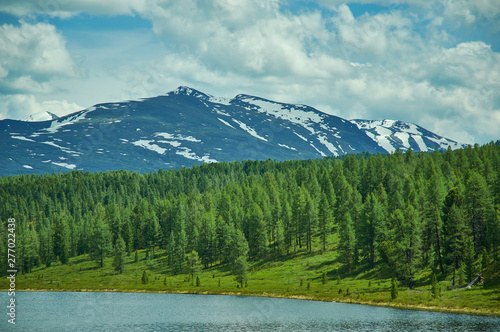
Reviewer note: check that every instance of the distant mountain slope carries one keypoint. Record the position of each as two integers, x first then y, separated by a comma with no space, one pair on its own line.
186,127
390,135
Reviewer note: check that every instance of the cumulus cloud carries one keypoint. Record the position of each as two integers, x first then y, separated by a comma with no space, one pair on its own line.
372,66
471,11
395,63
31,56
22,106
69,8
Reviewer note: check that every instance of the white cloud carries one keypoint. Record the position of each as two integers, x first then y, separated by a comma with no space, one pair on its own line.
22,106
399,63
372,66
30,56
471,11
69,8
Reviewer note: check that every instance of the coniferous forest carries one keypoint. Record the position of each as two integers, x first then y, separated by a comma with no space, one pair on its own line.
404,212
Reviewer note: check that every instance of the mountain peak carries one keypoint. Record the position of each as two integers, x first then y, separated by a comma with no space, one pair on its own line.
42,116
186,127
187,91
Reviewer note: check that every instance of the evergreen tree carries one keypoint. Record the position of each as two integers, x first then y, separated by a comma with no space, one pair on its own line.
435,197
311,221
193,262
240,270
478,201
101,238
288,229
469,259
324,219
152,233
31,250
144,278
435,288
347,240
455,235
372,228
119,255
59,238
394,288
257,236
407,237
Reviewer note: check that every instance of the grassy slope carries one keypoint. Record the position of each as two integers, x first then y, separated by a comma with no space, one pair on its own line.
276,278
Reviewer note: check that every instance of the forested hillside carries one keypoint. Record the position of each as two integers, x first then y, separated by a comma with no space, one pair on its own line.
407,212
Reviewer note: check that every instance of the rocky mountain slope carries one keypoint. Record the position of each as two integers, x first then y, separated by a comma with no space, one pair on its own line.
186,127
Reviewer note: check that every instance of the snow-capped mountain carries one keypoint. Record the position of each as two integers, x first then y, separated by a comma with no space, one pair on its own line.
186,127
42,116
391,134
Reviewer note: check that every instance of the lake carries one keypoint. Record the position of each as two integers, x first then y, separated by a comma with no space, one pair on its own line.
104,311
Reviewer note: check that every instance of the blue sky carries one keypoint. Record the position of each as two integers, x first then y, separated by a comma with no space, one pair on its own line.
434,63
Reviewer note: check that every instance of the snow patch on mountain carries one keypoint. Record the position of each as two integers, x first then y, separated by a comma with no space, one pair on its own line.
42,116
288,147
68,120
187,153
297,114
320,152
225,122
301,137
66,165
178,137
249,130
147,144
323,140
392,134
22,138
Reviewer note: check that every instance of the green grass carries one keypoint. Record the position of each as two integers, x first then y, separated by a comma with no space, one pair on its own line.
277,278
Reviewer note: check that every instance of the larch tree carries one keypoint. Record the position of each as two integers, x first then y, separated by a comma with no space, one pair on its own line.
325,219
119,255
347,240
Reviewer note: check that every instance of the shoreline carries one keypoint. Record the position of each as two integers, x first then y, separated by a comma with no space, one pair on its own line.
463,311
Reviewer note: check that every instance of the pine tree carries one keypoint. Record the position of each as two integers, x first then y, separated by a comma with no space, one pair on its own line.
240,270
347,240
59,238
372,228
119,255
394,288
144,278
101,238
152,233
31,247
257,236
435,289
311,221
478,202
193,262
469,259
455,233
435,197
324,219
407,240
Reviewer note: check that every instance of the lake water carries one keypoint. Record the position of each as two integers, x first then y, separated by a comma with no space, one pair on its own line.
93,311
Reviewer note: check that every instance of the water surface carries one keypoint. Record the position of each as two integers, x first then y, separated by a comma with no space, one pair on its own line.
96,311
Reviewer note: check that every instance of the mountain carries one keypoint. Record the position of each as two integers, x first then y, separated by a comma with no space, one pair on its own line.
390,135
42,116
186,127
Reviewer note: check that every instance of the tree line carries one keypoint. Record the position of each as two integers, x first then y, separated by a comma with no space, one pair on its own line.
405,211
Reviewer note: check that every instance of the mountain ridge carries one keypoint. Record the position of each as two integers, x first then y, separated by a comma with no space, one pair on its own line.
186,127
